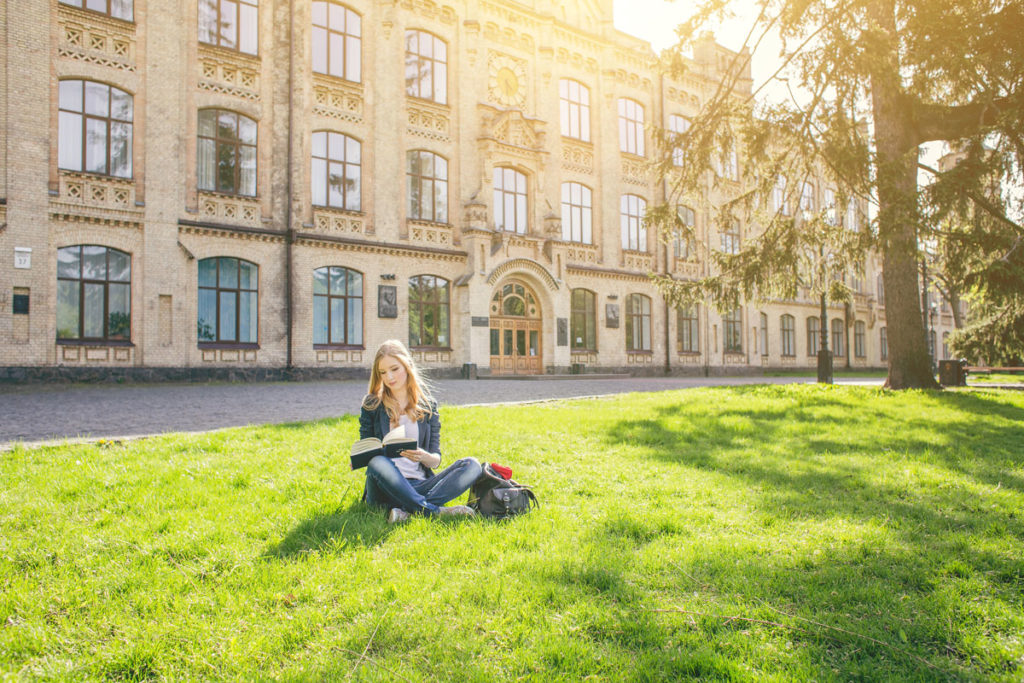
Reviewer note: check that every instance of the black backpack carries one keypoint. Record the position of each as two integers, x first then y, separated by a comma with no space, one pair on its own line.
494,496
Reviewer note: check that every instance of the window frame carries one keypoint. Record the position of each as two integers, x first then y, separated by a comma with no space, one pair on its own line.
688,329
813,340
583,211
438,206
414,87
633,224
83,5
83,283
883,343
346,308
574,110
731,239
764,334
683,249
328,162
638,323
346,39
732,331
838,338
859,336
787,335
218,341
520,200
81,130
218,12
677,124
631,127
237,144
433,302
583,312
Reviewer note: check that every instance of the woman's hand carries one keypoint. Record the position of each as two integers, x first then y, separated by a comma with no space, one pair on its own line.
419,455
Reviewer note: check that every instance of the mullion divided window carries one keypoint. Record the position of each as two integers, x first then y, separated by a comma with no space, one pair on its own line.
510,200
119,9
631,126
93,294
337,306
426,66
337,171
787,325
583,321
577,213
226,156
687,330
95,128
638,323
337,41
429,307
228,301
633,225
574,109
427,186
232,24
733,324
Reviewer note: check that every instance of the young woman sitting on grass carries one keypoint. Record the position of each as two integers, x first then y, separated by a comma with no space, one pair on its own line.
398,396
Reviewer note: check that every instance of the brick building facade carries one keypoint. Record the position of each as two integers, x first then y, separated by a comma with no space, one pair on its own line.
246,187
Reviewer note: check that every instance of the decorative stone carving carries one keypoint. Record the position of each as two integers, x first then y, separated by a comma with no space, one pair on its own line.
638,261
337,99
96,39
688,269
229,73
581,253
218,208
514,133
506,84
431,10
577,156
97,198
431,234
634,172
429,121
336,222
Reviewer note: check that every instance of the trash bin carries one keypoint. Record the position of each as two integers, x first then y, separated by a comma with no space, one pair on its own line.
953,373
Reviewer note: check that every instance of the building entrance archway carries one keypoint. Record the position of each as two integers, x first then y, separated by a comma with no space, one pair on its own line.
516,330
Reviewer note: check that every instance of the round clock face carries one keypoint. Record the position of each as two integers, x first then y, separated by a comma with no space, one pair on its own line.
507,82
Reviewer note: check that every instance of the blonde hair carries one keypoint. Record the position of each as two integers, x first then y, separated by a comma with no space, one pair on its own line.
417,388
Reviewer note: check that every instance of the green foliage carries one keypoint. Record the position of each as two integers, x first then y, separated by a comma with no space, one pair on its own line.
794,532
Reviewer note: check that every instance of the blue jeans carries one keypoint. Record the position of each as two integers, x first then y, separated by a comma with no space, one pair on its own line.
386,487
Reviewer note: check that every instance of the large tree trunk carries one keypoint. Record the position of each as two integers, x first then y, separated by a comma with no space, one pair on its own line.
898,214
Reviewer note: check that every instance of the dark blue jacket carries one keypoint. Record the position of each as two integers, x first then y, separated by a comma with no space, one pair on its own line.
377,423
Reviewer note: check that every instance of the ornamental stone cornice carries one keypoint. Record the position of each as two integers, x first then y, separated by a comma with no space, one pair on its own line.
524,265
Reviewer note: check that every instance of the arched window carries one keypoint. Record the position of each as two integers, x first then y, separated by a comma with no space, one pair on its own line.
574,109
677,125
733,324
631,218
687,330
429,305
583,323
337,171
638,322
838,338
94,286
95,128
427,186
813,341
337,41
764,334
228,301
337,306
883,344
233,24
859,334
807,197
426,66
510,204
631,126
684,243
226,152
119,9
787,325
731,238
577,213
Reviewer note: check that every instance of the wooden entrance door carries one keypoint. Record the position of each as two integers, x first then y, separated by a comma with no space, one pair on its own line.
516,328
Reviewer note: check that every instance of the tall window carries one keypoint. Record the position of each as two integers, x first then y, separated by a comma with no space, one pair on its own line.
731,238
429,306
638,323
764,334
631,217
838,338
427,186
807,197
945,345
931,344
337,171
229,23
510,206
227,152
683,245
426,66
631,126
94,293
577,213
727,164
228,300
337,306
787,324
574,109
813,342
733,324
337,41
119,9
687,330
850,222
95,129
779,201
583,323
831,210
883,344
880,284
858,339
678,125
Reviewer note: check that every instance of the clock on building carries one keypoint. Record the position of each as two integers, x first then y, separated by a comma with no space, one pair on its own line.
507,80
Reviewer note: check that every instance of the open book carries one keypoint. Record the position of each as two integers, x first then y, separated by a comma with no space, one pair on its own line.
392,445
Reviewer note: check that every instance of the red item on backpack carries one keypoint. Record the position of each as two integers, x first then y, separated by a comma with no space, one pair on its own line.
505,472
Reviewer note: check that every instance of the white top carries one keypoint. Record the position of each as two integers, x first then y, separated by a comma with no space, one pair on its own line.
408,468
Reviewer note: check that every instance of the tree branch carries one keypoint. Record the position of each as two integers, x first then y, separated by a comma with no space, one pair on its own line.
939,122
981,202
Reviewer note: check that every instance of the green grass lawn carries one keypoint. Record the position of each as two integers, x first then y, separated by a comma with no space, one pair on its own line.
767,532
994,378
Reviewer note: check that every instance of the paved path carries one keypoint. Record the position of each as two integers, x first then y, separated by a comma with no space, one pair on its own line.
51,412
